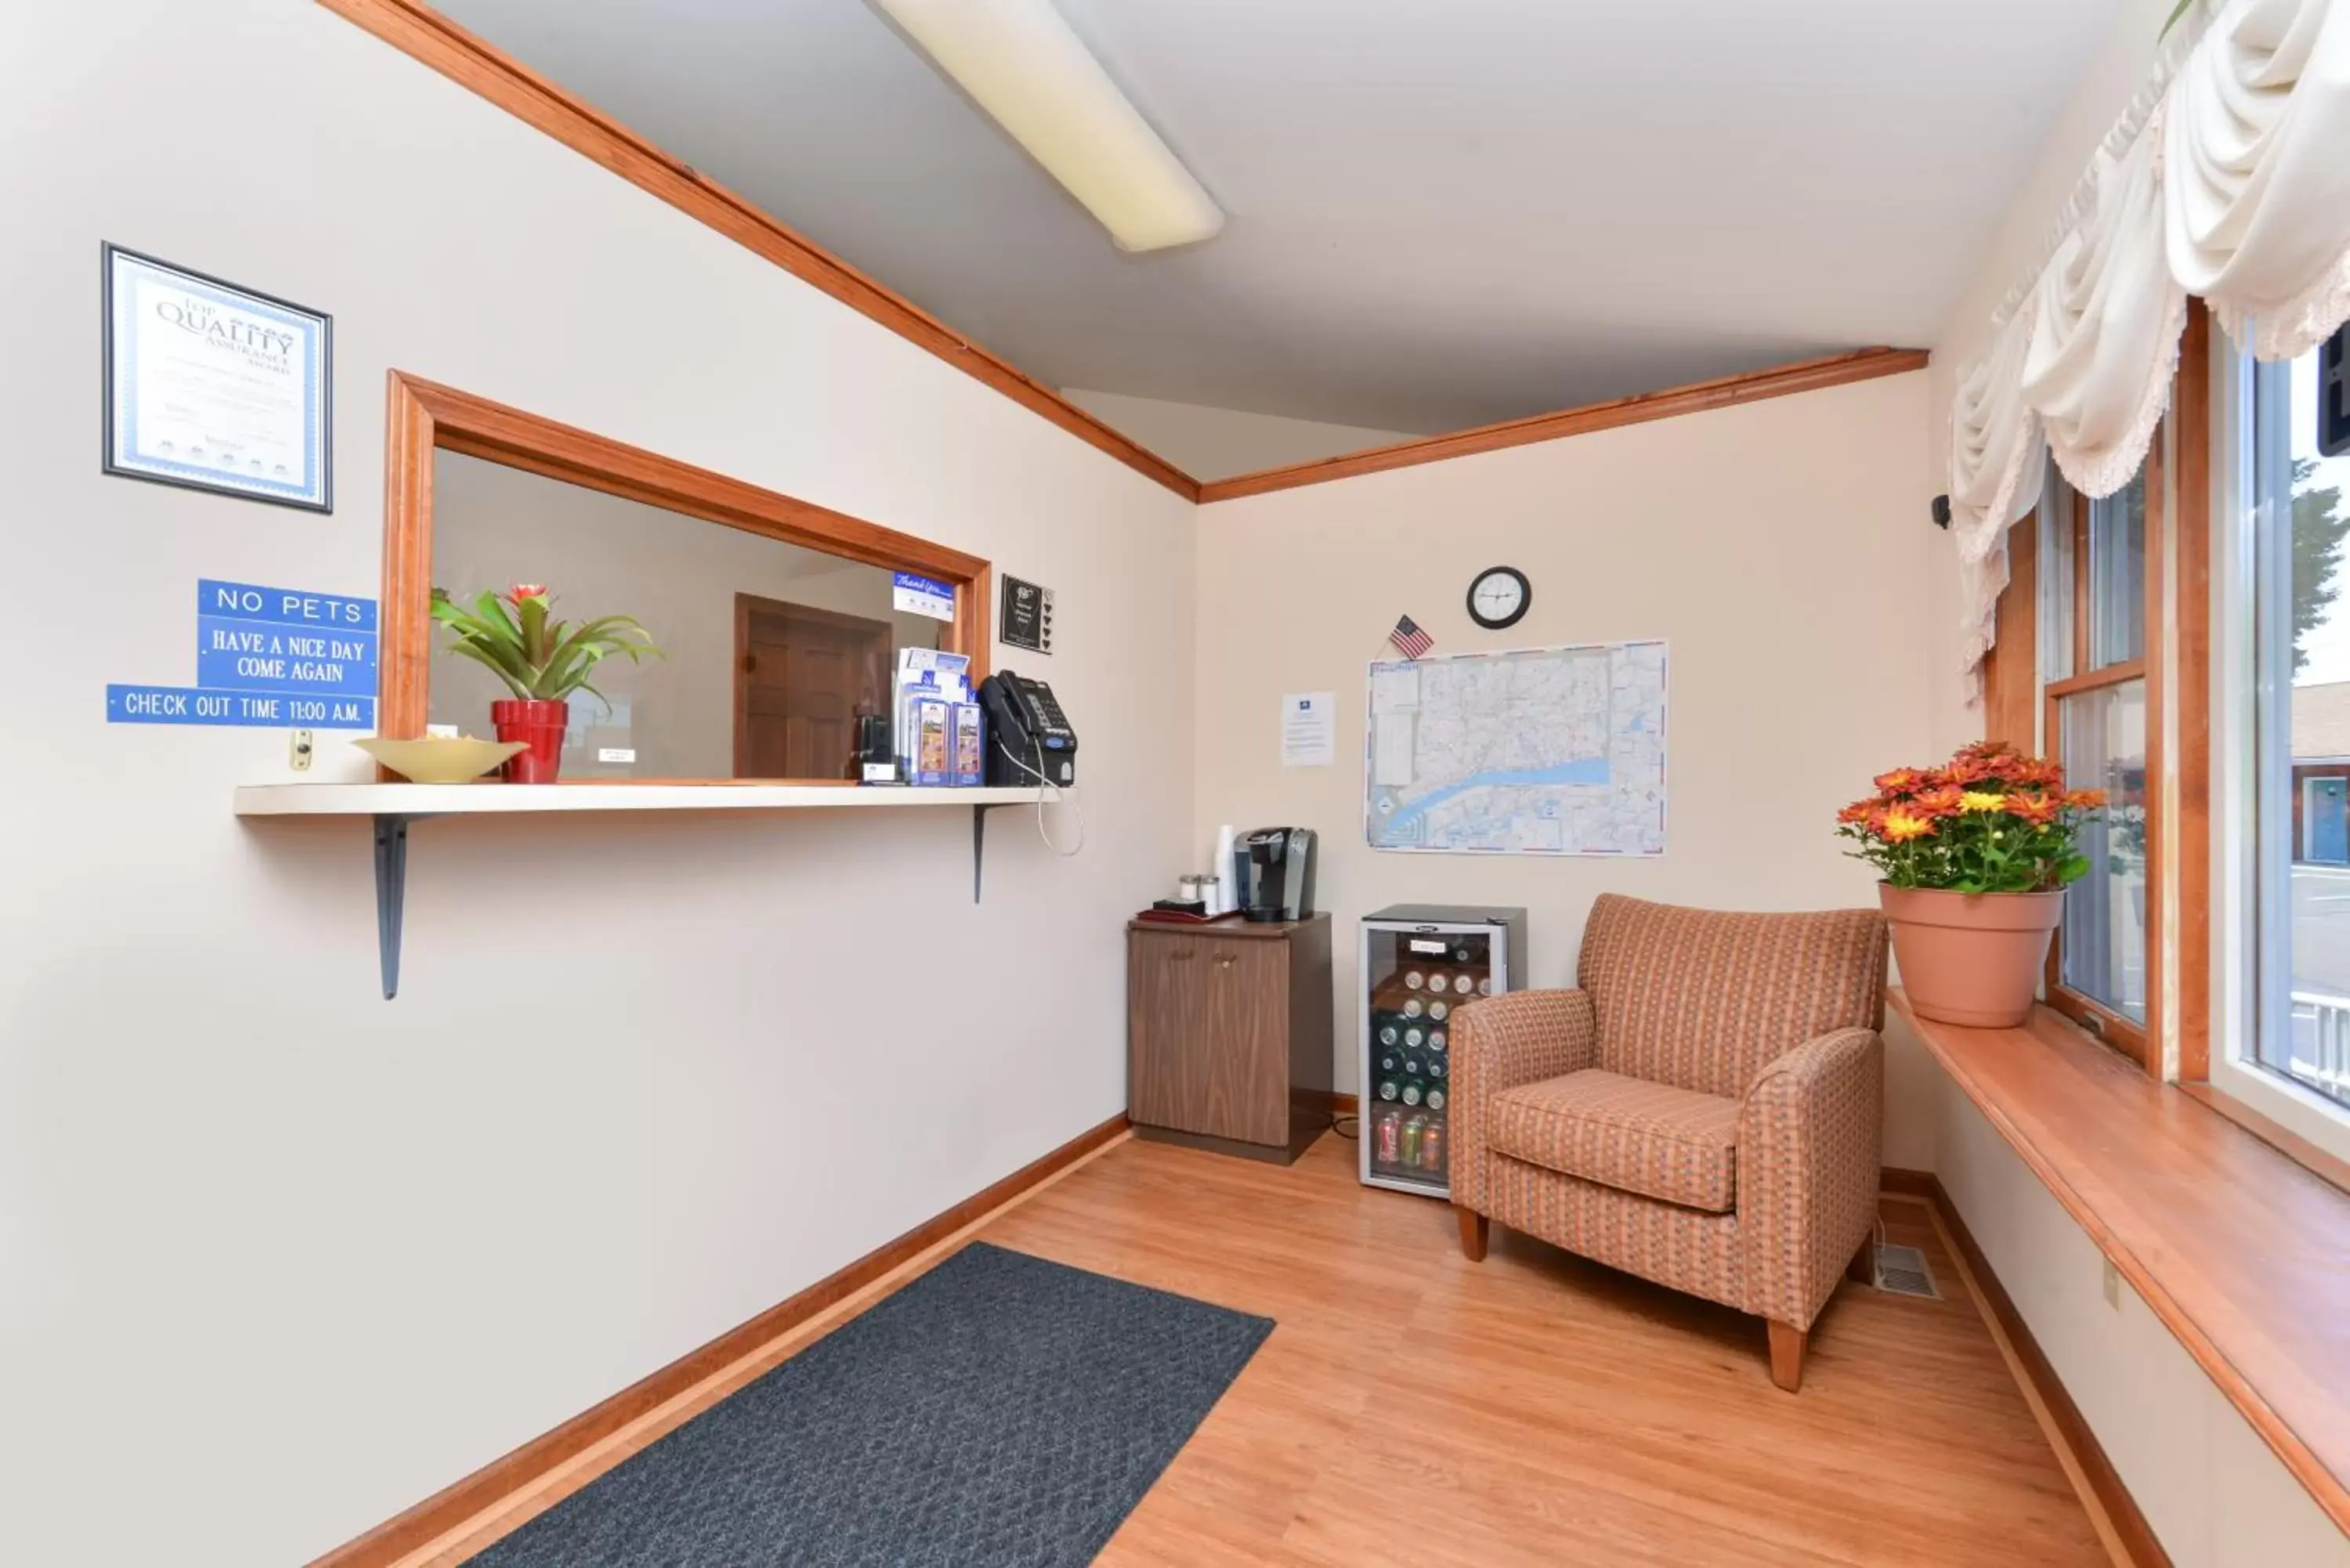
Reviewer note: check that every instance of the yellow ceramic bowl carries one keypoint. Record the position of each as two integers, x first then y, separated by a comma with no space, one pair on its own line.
440,759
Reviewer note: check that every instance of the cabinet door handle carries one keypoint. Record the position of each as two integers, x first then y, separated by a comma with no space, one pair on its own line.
1223,961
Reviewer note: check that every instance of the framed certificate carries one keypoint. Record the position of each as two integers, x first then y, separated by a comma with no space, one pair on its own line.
215,387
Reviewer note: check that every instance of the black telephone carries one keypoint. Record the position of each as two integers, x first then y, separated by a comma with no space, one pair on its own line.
1028,737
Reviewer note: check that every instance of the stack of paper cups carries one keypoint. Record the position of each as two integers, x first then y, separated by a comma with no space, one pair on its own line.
1228,891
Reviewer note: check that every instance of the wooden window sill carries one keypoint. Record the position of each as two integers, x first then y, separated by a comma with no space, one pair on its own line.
2237,1248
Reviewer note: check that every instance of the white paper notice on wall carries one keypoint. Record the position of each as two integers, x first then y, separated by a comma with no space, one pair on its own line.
1306,736
918,595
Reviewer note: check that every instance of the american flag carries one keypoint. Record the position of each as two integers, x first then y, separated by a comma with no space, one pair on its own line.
1408,640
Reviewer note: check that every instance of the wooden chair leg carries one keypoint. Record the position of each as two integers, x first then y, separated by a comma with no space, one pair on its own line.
1862,1269
1473,1227
1787,1343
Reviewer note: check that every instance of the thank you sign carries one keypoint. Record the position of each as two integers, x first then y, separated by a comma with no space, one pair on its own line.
267,656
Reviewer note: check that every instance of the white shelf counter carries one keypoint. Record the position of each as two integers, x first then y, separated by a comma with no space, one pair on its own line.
391,807
412,799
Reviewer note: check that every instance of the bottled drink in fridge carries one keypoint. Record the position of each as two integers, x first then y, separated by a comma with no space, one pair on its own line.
1435,1097
1437,1010
1412,980
1388,1034
1435,1067
1411,1092
1390,1089
1436,1040
1413,1037
1412,1066
1389,1061
1411,1008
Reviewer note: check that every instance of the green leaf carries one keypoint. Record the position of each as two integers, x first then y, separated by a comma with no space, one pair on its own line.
473,651
2071,871
2177,12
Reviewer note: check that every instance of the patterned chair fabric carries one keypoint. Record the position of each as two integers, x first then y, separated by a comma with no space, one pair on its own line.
1650,1138
1705,1000
1703,1112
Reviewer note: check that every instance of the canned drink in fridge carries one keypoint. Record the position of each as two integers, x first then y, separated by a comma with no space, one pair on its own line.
1390,1133
1432,1147
1411,1134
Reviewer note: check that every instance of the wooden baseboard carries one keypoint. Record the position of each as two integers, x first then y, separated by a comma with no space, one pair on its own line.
524,1467
2134,1536
1909,1183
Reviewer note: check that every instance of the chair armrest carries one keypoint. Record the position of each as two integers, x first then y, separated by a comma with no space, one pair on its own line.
1500,1043
1808,1135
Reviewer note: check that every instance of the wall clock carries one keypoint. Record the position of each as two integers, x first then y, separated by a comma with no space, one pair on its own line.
1498,596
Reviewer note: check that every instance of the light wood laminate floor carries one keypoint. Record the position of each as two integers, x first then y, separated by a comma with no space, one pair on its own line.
1413,1408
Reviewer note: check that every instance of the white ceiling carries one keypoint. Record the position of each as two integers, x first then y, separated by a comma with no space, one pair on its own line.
1441,211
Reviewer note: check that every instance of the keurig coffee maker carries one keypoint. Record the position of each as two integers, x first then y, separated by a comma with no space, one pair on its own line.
1273,873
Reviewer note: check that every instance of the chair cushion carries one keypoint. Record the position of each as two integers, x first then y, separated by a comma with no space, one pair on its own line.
1651,1139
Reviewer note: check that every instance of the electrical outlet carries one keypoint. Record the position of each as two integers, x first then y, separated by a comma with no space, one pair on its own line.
304,748
2112,1285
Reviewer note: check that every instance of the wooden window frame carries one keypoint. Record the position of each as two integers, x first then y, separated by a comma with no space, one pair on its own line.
422,417
2174,1040
2116,1029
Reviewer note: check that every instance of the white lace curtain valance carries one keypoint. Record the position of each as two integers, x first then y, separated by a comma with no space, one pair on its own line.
2229,181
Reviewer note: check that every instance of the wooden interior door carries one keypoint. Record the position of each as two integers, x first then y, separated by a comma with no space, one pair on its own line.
802,676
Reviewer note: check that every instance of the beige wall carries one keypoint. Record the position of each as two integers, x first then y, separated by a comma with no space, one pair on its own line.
284,1258
1780,549
601,554
1216,444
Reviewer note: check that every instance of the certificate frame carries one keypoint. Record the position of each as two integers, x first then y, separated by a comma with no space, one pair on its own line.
308,484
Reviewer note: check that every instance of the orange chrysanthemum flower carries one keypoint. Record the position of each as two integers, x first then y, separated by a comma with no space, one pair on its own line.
1899,782
2037,807
2086,799
1937,800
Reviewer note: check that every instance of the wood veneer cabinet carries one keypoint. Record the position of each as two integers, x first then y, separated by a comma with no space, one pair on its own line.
1228,1032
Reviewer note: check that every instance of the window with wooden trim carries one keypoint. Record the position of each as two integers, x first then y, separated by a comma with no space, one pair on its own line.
2098,629
2287,623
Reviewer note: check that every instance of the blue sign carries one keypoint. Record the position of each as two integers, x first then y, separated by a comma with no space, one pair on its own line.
267,657
262,656
190,705
253,639
284,607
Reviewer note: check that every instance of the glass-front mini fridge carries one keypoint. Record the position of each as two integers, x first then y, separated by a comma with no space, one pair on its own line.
1420,965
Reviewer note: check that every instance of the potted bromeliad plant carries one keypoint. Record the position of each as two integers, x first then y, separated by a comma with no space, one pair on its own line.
541,662
1976,855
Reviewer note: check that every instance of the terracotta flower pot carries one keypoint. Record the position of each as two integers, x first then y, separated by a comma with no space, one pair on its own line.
538,722
1972,958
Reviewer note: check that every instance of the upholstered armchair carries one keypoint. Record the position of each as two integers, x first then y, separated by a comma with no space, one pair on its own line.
1703,1111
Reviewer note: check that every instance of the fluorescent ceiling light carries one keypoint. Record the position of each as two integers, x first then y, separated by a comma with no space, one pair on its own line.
1024,66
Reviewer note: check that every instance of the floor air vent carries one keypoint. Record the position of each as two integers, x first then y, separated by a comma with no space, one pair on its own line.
1902,1272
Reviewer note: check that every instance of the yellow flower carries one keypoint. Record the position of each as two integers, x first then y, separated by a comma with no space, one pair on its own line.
1982,800
1902,825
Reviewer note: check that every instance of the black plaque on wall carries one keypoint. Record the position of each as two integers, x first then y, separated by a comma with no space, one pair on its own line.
1027,616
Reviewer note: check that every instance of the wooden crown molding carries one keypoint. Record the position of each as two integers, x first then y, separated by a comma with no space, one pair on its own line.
1725,391
425,34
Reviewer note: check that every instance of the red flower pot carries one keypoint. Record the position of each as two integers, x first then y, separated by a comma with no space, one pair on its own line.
538,723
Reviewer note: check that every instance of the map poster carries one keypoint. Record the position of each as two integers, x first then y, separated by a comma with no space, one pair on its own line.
1542,750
